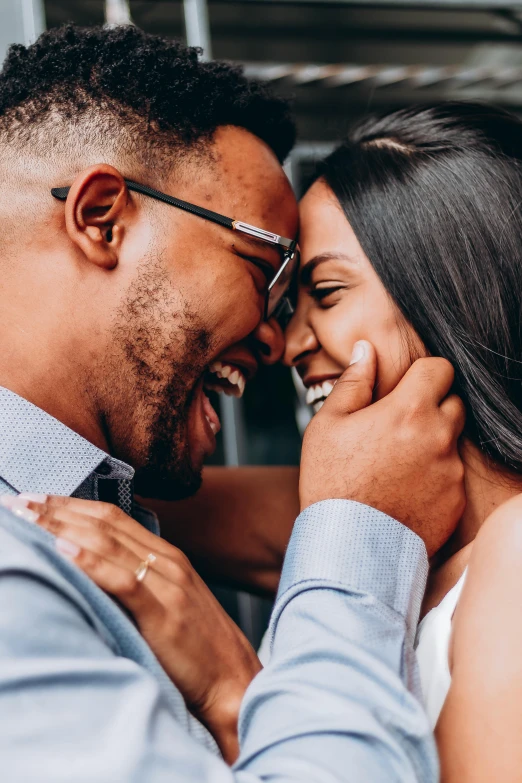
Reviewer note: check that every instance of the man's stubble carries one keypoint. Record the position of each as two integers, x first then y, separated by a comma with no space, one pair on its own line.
160,349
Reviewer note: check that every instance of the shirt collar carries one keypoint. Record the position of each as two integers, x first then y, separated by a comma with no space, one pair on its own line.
40,454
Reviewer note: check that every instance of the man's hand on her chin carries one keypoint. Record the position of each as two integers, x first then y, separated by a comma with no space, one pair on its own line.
398,455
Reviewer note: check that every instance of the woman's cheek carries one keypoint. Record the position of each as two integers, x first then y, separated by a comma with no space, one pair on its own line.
340,335
393,361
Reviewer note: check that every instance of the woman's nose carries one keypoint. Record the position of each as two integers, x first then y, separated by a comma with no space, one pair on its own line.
300,341
270,341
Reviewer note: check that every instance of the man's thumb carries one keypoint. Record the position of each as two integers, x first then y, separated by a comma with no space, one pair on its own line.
354,389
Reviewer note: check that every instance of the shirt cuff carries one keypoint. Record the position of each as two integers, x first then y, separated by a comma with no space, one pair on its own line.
362,550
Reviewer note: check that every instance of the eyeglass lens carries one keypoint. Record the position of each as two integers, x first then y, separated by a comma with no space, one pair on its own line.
282,283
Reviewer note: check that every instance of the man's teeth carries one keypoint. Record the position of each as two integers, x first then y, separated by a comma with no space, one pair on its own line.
318,392
231,374
213,426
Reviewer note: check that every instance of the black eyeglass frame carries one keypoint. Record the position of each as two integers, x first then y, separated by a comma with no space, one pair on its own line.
275,294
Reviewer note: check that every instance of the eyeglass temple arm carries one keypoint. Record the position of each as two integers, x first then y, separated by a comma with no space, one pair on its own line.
215,217
207,214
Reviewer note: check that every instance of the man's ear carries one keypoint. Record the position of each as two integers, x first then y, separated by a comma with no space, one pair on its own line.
96,210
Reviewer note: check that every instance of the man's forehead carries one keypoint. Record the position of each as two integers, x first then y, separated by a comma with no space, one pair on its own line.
244,180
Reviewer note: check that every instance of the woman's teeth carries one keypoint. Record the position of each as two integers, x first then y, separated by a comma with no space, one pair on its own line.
316,395
235,378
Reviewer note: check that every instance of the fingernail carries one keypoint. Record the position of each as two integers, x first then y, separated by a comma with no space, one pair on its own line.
67,548
33,497
7,500
21,510
358,353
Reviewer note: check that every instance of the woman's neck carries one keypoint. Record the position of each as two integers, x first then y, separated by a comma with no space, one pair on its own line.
487,487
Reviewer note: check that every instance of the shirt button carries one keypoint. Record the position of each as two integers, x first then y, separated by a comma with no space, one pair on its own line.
104,469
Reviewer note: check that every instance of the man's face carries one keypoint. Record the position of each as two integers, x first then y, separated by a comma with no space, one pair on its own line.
196,299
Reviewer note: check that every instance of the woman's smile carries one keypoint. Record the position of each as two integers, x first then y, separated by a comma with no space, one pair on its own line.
340,300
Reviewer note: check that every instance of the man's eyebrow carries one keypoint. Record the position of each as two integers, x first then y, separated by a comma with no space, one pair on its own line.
306,271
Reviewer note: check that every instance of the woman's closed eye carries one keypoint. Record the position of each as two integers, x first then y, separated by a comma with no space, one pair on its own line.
327,294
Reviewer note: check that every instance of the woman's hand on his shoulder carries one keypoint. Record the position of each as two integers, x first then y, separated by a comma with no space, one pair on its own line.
199,646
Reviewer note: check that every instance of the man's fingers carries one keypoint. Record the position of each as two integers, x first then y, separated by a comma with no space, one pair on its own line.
427,378
354,388
453,408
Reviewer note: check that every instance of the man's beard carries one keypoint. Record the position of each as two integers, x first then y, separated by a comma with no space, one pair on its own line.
158,373
168,472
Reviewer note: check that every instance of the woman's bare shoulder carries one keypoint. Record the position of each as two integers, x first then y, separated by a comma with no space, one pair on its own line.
443,578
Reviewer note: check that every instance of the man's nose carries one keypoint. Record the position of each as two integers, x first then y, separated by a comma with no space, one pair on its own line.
270,341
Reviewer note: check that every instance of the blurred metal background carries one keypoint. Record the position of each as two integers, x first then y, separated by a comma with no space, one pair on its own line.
337,59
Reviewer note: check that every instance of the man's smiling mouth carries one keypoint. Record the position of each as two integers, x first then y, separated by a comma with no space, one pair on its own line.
225,378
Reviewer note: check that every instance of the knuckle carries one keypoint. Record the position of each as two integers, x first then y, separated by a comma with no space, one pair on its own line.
56,501
428,368
420,367
88,560
443,365
127,584
110,546
446,441
108,512
97,541
180,575
178,597
103,526
52,524
181,559
411,418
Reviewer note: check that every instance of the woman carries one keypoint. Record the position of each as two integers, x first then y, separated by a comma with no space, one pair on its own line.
411,239
427,261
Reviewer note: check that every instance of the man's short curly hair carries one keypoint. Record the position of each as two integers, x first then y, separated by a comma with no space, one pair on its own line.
140,97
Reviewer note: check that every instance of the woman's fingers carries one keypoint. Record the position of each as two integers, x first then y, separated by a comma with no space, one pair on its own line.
103,513
115,579
109,563
115,544
105,516
55,519
110,539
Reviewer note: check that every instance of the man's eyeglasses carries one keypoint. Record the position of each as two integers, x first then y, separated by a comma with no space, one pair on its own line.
277,288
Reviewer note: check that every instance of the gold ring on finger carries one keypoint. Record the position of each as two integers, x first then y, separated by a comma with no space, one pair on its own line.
141,571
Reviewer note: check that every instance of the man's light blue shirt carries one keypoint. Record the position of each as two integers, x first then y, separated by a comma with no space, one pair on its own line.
82,697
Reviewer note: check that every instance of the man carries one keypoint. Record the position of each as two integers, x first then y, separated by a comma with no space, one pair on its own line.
118,301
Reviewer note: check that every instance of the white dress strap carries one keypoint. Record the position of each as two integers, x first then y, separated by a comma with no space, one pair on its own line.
432,648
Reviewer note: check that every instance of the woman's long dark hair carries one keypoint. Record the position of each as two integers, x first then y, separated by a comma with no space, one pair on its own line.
434,196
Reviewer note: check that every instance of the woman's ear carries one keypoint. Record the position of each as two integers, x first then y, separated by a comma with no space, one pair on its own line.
96,211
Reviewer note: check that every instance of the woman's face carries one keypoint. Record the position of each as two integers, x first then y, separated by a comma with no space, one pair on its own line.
341,300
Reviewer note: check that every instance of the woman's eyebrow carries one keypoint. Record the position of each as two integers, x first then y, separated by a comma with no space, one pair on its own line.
306,271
